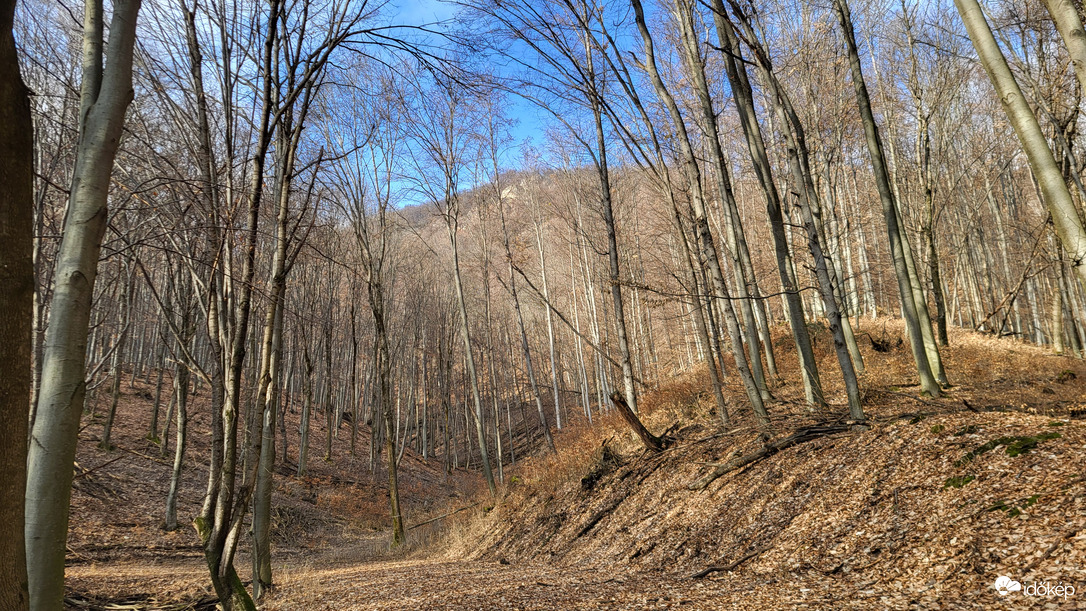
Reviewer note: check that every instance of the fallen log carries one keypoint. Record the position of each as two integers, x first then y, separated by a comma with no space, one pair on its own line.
800,436
652,442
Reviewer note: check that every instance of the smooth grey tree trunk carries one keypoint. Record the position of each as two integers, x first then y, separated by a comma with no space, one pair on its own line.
117,363
1057,197
105,95
898,241
550,324
704,235
307,407
746,283
523,333
181,389
469,357
807,198
744,96
1069,25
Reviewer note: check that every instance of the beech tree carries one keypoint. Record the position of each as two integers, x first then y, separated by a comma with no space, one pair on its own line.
370,144
913,304
1057,197
104,97
445,137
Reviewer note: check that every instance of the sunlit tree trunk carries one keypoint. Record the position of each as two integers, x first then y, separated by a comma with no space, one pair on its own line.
744,101
807,198
105,95
1069,25
1057,197
704,236
899,249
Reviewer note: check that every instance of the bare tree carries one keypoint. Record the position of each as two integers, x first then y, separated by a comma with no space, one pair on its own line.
1057,197
105,95
369,143
910,305
446,141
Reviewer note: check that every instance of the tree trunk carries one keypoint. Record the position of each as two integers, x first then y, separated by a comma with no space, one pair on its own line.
746,284
1069,25
16,311
469,357
117,366
181,388
652,442
704,235
1057,197
899,250
307,407
744,95
803,185
106,92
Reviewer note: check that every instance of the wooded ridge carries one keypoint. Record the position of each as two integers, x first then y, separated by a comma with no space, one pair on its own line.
348,268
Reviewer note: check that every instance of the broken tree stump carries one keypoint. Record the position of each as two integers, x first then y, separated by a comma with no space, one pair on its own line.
652,442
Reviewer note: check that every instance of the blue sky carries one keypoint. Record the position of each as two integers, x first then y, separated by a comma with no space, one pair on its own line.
528,124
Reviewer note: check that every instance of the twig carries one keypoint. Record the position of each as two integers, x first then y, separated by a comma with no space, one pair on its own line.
151,458
728,567
87,472
1067,534
441,516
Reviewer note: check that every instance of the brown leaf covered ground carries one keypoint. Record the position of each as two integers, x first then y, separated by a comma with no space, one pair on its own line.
895,517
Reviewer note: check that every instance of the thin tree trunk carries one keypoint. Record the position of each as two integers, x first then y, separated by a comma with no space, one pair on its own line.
117,367
181,388
798,159
469,359
307,408
899,248
737,75
704,235
550,324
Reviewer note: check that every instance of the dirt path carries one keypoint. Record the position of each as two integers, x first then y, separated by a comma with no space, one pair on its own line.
441,584
432,583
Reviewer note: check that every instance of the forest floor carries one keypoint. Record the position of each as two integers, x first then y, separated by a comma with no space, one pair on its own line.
922,511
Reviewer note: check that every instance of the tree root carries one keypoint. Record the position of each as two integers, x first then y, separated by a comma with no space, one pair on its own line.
800,436
728,567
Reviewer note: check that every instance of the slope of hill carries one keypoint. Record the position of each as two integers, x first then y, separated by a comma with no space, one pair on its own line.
924,510
928,507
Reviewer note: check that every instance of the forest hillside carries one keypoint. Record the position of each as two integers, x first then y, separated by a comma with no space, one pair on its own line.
923,510
354,304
